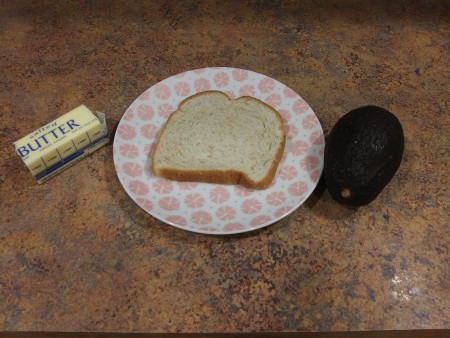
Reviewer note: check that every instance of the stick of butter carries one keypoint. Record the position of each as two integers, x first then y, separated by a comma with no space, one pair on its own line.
61,143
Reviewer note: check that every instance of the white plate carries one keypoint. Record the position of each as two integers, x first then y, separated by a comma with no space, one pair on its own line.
211,208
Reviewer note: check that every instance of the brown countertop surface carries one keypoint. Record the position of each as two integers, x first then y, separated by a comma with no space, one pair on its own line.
77,254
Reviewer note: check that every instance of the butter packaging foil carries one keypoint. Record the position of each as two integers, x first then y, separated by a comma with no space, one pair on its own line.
63,142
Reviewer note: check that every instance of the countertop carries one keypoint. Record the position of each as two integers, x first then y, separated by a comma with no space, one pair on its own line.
77,254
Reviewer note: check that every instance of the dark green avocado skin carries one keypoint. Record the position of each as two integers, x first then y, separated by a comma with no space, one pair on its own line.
362,153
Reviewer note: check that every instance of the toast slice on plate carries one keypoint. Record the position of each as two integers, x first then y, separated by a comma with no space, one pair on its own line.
213,138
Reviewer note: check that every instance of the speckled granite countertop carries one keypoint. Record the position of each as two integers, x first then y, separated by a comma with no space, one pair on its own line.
77,254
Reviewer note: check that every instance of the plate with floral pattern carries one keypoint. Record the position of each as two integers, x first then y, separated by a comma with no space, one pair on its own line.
214,208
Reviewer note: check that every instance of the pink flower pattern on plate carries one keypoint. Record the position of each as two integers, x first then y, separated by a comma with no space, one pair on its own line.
309,122
138,188
165,110
299,148
201,217
211,208
309,163
226,213
169,203
298,188
300,106
288,172
202,84
162,186
194,201
276,198
126,132
145,112
132,169
149,131
292,132
129,114
219,194
221,79
273,100
129,150
182,88
247,90
251,206
162,91
266,85
240,74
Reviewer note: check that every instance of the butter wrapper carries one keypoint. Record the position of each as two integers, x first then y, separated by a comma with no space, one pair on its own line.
63,142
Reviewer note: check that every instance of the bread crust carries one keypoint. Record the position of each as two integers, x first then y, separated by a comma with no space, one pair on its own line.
221,176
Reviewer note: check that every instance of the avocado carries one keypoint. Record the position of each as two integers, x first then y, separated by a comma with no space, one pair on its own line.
362,153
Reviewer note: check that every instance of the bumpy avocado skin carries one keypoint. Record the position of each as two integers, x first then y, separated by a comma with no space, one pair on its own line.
362,153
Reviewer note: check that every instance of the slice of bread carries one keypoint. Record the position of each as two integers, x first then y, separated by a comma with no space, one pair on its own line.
212,138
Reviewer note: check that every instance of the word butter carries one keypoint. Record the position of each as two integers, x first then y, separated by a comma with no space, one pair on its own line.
61,143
